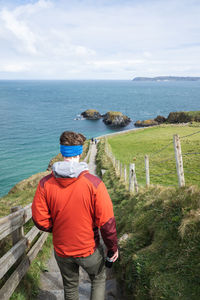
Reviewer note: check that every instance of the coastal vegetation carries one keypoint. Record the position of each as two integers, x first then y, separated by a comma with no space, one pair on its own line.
183,117
158,228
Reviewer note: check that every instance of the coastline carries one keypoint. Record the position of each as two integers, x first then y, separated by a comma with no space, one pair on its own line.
27,109
140,128
33,176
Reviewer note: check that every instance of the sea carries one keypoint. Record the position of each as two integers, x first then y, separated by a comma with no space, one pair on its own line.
33,114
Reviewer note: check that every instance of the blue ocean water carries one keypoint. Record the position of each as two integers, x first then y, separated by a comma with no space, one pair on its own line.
34,113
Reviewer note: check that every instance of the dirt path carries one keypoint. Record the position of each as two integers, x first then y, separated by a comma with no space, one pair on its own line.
92,157
51,281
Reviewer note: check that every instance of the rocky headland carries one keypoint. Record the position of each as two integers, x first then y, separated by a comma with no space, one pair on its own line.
167,78
173,118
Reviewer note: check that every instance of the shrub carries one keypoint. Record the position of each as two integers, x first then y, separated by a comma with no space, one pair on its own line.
179,117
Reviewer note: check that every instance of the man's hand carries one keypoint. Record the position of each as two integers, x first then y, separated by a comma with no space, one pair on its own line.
115,256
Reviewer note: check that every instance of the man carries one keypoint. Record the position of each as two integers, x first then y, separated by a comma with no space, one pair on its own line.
74,204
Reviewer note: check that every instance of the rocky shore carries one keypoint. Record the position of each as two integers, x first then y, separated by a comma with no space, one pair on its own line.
173,118
116,119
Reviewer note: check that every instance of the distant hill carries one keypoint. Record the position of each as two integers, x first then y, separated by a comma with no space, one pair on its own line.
166,78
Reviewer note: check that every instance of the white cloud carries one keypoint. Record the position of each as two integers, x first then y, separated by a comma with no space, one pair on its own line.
20,31
32,8
116,63
83,51
119,39
15,67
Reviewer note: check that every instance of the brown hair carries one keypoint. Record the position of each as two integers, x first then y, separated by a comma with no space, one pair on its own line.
70,138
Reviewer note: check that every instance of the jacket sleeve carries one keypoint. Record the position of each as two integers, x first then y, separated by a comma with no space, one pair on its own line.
104,217
40,212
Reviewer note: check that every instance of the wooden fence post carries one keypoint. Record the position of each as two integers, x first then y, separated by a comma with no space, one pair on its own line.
135,179
125,174
18,234
147,170
179,160
106,149
118,167
115,165
114,162
111,156
131,182
106,146
121,168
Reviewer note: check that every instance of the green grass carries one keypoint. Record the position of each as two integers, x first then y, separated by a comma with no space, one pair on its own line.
159,259
133,146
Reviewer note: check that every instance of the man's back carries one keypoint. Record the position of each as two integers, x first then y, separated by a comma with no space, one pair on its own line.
77,206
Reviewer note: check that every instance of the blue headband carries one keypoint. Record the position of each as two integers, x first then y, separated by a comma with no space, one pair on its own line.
69,151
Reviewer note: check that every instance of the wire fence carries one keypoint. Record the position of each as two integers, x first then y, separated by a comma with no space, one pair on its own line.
161,166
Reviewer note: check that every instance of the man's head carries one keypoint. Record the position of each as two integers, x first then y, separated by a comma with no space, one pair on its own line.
71,144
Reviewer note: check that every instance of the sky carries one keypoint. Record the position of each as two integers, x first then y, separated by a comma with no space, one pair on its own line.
99,39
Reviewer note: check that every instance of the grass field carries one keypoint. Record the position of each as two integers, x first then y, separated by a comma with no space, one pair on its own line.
159,238
131,147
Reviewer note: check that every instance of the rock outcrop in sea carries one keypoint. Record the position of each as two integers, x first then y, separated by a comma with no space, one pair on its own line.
91,114
111,118
116,119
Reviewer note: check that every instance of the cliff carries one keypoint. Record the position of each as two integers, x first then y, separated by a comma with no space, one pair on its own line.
166,78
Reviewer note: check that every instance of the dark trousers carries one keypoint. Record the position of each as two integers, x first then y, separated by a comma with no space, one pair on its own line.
93,265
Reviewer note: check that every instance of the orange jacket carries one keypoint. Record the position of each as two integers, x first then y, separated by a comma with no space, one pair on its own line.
73,209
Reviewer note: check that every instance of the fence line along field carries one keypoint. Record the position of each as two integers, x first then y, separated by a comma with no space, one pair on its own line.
157,144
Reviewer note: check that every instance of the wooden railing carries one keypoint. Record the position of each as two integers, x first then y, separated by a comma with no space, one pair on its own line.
22,247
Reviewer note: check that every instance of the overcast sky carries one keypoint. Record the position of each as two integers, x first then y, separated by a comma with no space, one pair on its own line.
99,39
